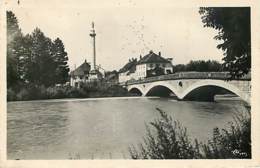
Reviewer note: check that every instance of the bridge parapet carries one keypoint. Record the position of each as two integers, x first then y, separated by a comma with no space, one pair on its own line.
188,75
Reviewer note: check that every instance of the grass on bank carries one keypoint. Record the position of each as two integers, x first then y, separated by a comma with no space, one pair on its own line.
168,139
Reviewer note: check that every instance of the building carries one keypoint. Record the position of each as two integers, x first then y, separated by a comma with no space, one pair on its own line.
128,71
153,65
80,75
86,72
150,65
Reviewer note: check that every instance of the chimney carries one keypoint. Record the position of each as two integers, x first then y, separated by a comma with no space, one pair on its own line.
151,51
140,56
159,53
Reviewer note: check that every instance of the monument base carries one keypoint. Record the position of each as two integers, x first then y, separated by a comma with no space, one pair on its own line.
95,75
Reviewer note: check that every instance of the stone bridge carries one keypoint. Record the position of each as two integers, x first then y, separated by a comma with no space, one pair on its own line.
201,86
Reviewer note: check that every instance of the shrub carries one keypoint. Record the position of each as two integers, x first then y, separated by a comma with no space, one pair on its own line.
116,90
76,93
57,92
23,94
232,143
102,89
92,89
31,92
11,95
169,140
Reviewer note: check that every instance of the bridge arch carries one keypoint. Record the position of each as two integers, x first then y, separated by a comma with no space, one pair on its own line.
136,89
161,84
217,83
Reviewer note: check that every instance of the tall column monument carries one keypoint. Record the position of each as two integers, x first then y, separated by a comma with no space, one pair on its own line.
93,36
94,73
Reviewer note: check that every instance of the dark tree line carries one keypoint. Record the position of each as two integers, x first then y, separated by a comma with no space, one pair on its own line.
34,58
233,25
199,66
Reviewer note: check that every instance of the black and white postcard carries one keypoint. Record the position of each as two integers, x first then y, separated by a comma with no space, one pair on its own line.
103,83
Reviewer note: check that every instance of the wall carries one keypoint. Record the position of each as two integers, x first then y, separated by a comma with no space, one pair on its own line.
123,77
77,79
140,71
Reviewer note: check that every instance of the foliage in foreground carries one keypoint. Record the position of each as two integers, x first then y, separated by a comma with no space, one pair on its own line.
234,143
167,139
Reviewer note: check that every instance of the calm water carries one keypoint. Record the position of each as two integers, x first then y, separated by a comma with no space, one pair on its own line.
103,128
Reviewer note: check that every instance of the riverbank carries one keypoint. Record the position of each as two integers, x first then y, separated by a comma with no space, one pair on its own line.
93,90
91,99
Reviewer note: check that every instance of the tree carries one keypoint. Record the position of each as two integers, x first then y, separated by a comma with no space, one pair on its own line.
199,66
33,59
42,65
60,58
233,25
13,29
14,38
179,68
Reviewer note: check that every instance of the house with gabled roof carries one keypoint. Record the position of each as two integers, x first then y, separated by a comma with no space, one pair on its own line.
80,75
150,65
153,65
127,72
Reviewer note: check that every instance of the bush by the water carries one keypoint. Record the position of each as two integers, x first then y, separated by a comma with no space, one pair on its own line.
167,139
95,89
232,143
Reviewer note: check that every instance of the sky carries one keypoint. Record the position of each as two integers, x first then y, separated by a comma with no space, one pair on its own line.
125,29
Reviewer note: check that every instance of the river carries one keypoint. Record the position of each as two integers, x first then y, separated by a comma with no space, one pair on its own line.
102,128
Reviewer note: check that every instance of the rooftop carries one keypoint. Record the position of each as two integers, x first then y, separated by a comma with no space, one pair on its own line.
153,58
130,66
82,70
